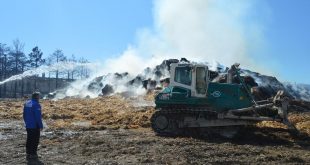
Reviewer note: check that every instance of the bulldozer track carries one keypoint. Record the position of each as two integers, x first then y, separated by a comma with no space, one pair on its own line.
174,116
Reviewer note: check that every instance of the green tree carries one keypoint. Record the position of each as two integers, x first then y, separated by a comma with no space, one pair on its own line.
35,60
4,50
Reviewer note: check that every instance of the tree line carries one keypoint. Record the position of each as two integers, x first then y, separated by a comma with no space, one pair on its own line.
14,60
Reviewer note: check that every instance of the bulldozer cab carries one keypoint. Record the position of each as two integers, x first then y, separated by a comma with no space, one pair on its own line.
190,86
195,78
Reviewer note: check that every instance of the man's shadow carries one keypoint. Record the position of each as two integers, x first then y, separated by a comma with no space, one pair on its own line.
268,136
34,162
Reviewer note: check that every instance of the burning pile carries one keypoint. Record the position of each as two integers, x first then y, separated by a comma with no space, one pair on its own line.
127,84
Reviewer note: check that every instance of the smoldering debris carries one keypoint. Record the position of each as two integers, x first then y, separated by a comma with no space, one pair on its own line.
107,90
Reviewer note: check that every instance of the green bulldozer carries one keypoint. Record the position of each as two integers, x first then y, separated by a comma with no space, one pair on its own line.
193,102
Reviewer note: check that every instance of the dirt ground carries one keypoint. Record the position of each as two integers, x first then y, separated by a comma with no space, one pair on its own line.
114,130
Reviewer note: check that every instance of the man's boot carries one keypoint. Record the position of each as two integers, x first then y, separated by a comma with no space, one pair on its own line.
31,157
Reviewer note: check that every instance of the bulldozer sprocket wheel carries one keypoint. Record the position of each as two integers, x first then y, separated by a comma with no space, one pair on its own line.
164,124
160,121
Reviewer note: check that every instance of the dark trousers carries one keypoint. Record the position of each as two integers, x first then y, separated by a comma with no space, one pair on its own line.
33,137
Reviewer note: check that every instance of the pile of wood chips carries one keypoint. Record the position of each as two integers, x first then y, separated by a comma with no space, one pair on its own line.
101,112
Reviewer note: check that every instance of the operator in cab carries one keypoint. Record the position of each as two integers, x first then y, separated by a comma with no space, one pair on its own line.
33,122
232,73
166,86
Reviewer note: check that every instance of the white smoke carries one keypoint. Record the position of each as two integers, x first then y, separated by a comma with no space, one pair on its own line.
80,88
130,61
200,30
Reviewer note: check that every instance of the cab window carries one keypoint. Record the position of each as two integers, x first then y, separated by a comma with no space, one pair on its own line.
201,80
183,75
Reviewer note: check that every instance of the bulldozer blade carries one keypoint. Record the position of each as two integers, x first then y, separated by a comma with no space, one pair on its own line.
283,113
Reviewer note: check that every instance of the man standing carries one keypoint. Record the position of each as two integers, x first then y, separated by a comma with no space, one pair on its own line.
33,122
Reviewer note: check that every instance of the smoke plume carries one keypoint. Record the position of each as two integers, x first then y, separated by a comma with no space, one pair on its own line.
201,30
224,31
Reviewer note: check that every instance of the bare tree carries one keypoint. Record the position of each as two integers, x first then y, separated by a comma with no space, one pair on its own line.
57,57
73,60
18,61
83,70
49,63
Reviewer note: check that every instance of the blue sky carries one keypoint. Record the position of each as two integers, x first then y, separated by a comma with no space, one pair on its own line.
288,36
100,29
95,29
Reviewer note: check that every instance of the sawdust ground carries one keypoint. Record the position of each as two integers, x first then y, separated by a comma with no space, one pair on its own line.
111,130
